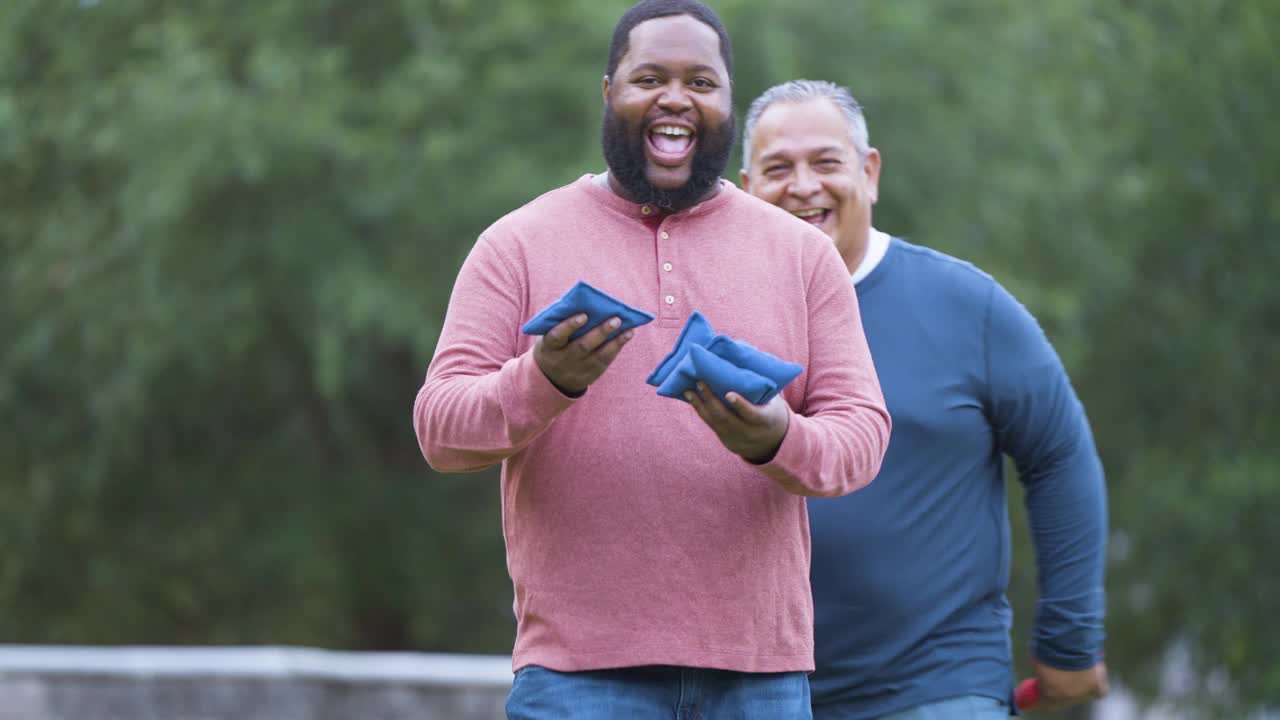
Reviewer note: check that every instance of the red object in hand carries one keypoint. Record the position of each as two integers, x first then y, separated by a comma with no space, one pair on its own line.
1027,694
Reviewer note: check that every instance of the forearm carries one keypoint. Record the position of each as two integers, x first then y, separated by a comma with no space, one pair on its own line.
831,454
484,397
1068,513
466,421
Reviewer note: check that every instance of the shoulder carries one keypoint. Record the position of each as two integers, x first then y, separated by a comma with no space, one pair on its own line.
772,221
948,280
936,263
773,237
551,204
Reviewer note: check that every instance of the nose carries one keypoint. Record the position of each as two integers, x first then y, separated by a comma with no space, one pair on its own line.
675,97
804,182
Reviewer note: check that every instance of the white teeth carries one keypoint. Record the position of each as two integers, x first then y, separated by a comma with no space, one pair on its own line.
671,130
811,212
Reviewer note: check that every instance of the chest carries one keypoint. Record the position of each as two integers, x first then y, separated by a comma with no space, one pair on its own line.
932,370
750,286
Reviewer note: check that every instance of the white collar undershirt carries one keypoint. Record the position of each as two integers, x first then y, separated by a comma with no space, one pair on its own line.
877,246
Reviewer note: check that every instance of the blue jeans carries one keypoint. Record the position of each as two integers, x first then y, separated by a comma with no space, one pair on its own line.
658,693
968,707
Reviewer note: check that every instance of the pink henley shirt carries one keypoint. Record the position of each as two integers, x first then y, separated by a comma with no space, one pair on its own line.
633,536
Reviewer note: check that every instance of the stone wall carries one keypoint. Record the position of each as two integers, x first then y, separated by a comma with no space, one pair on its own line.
163,683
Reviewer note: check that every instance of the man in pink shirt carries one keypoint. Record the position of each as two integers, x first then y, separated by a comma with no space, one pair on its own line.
658,550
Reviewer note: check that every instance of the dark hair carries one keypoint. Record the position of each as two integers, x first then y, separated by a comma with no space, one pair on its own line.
650,9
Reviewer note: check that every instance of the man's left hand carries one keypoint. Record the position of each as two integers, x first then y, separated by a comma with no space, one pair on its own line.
752,431
1064,688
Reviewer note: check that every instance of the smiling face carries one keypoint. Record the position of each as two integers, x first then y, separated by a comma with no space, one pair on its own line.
668,126
804,161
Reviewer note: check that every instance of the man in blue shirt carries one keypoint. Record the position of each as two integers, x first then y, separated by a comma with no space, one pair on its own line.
909,574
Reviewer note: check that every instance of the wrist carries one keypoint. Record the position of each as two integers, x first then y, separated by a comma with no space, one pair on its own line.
567,392
764,459
767,457
559,386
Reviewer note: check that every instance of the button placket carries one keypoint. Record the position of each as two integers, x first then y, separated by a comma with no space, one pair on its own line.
668,291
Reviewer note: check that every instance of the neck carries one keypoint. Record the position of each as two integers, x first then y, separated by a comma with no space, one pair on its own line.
857,250
612,183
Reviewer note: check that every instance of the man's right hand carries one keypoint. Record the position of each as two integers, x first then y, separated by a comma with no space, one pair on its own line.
572,365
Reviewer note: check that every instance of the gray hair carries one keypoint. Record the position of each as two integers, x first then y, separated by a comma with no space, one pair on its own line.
801,91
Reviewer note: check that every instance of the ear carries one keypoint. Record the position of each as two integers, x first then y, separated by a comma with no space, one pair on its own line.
871,169
745,181
606,90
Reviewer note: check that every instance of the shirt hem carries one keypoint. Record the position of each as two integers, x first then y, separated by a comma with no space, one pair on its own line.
861,710
715,660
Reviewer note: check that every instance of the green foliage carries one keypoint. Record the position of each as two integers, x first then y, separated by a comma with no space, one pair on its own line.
228,240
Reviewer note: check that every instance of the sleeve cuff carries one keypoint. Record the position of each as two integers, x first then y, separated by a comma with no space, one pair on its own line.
1060,659
1067,640
529,399
795,460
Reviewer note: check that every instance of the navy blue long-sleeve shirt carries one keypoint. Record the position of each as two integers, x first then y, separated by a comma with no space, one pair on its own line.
909,574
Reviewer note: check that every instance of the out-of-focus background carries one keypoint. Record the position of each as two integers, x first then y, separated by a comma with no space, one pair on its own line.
228,233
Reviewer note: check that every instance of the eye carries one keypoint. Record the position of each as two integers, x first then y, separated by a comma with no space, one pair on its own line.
702,84
648,81
829,164
775,170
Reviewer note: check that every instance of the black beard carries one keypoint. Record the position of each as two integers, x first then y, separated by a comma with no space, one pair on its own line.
624,154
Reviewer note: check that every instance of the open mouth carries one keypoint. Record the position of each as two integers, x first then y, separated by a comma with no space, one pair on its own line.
670,145
813,216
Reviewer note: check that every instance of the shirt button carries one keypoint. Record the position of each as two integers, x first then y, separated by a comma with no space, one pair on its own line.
665,236
670,299
645,209
666,266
